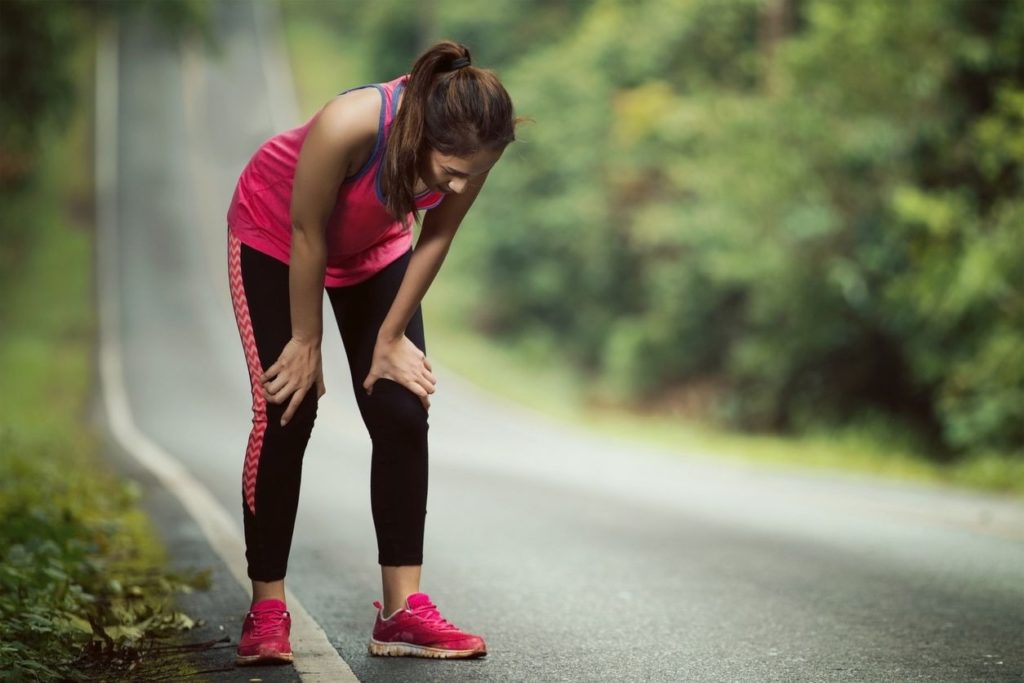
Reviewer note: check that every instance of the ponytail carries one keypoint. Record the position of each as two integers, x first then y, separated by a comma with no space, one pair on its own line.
449,106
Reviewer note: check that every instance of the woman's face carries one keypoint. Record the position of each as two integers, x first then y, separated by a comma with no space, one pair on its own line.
452,174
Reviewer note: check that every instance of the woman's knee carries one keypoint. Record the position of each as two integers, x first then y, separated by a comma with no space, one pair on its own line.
303,418
393,409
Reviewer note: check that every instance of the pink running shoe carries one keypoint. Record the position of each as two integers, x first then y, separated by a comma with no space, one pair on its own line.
265,634
419,630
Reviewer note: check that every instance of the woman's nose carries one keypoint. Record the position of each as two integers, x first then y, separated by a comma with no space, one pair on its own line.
457,185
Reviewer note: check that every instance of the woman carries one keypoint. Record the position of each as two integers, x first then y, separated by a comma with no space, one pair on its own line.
329,205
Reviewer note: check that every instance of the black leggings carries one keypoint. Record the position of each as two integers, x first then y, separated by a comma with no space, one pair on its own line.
394,415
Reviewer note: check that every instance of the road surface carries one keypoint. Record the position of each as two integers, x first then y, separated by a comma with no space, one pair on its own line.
578,557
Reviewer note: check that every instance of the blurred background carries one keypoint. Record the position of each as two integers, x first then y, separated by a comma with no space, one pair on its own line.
769,216
786,230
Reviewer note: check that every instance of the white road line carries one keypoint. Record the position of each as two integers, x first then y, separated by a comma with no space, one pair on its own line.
316,660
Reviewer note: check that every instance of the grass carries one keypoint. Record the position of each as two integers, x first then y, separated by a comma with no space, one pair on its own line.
84,590
531,374
533,377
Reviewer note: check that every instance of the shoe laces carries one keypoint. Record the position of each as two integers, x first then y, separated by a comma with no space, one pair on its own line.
429,613
268,622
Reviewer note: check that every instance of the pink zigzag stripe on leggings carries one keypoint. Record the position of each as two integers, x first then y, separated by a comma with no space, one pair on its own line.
252,359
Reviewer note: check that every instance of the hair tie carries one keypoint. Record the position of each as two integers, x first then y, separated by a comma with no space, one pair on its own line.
460,62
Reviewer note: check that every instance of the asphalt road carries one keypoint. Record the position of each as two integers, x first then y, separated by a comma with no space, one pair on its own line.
578,557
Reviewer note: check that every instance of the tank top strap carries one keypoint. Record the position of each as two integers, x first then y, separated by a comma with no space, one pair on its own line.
390,91
388,106
382,124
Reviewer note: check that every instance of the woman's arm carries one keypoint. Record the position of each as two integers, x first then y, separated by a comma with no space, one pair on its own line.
395,356
335,143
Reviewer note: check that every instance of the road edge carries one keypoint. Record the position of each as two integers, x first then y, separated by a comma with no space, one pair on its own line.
319,660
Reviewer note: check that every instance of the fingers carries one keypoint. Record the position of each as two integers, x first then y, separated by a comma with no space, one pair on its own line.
289,379
404,364
426,383
280,395
274,387
272,371
293,405
423,388
422,385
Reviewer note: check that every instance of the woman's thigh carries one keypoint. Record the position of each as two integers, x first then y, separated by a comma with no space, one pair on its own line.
259,291
360,310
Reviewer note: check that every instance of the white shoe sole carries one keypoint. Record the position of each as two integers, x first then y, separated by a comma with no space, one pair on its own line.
381,649
263,658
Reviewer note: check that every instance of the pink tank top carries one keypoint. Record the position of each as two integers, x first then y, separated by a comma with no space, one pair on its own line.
362,237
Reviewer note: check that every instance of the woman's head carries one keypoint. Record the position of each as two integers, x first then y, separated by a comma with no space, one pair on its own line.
455,119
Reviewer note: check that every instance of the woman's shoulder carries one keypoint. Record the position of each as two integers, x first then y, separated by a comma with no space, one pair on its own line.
353,119
356,110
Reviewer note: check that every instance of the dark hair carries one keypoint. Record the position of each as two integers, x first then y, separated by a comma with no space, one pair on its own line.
449,106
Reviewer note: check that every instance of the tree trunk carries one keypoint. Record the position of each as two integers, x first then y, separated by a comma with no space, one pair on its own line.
776,23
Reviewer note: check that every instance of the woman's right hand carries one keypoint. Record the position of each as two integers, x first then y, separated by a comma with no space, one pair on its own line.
297,368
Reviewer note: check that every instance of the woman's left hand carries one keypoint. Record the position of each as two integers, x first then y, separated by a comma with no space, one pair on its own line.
402,361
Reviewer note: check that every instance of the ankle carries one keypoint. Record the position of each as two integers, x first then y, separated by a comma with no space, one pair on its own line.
267,590
390,612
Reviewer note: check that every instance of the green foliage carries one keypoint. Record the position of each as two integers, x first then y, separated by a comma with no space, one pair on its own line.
845,241
37,41
786,215
81,585
83,592
77,590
